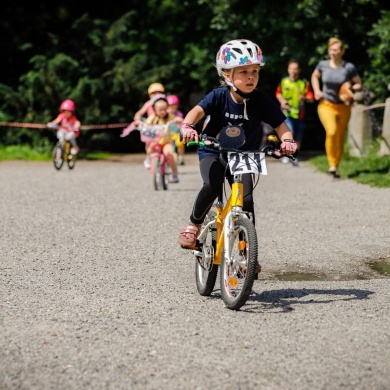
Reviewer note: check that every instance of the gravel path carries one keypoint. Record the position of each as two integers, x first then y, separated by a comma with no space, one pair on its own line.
96,294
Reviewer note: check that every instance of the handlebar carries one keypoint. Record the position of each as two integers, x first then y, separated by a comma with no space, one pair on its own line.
143,125
56,126
51,125
272,149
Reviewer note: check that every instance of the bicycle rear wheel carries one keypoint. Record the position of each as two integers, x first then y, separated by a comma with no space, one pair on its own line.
238,272
205,271
58,158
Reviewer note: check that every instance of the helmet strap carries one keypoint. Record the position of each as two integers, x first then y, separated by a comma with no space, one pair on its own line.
244,95
235,89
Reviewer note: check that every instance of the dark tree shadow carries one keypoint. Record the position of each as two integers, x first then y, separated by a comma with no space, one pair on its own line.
358,172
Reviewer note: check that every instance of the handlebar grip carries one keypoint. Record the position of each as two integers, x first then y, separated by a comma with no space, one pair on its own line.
194,143
52,125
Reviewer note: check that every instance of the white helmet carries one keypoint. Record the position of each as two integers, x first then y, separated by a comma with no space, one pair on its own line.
238,52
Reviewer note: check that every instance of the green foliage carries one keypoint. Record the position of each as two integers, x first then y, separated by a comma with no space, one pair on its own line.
379,53
105,58
98,156
43,153
24,152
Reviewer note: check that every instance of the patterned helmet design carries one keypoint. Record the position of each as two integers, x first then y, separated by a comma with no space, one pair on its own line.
238,52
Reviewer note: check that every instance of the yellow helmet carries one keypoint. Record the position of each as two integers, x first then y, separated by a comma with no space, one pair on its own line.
156,87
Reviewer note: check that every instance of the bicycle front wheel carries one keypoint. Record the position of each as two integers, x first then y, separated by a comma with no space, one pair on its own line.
156,173
238,271
205,271
71,160
164,175
58,158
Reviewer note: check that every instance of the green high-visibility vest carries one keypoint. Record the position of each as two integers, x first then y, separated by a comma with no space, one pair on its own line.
292,91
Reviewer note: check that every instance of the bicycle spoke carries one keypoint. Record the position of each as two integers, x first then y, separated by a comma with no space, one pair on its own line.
205,271
238,271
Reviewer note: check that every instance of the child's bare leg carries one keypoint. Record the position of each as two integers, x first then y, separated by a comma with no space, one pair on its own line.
168,151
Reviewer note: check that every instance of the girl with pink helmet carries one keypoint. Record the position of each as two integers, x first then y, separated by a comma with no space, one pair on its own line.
67,124
174,103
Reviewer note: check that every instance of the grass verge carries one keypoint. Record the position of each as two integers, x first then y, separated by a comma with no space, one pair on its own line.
372,169
27,153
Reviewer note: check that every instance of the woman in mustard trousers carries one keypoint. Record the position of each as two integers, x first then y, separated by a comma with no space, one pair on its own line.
334,114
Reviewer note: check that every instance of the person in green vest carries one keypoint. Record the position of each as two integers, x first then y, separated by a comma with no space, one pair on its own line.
292,92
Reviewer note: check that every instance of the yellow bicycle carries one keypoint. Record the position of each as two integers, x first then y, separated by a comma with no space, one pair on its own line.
62,152
228,237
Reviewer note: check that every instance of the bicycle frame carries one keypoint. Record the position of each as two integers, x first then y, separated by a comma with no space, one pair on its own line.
228,239
62,154
66,148
225,218
158,153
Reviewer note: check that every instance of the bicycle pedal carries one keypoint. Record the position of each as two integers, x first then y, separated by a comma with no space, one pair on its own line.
190,249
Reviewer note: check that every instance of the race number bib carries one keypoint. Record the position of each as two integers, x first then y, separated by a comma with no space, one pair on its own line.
240,163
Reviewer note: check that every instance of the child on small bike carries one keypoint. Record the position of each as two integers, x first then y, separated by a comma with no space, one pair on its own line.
236,102
162,117
67,124
174,103
154,89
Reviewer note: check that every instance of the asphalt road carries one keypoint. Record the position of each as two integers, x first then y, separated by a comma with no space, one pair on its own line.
96,294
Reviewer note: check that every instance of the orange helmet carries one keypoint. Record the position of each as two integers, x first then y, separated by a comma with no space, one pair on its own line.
155,87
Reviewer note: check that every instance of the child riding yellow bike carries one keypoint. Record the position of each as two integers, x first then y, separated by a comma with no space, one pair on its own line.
236,102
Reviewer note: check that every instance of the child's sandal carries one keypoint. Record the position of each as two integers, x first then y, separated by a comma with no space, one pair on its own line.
188,236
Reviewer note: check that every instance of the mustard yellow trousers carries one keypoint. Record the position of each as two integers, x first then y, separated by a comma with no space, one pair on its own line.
334,118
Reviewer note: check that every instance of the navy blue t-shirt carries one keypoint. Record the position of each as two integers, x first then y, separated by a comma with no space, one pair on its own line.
223,110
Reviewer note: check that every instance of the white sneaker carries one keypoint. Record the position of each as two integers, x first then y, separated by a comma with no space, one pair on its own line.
175,179
147,163
285,160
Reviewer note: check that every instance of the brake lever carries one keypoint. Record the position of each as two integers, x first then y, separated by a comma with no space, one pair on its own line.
270,151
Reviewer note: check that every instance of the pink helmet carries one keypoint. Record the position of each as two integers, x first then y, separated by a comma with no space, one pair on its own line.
173,100
68,105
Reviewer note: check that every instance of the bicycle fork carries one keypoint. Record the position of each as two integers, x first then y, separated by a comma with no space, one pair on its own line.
224,221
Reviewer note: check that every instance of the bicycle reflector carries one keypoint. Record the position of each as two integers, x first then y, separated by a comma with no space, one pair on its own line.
231,137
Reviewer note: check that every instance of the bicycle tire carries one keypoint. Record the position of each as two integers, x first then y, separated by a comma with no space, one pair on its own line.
58,161
164,175
71,160
205,271
156,173
238,272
